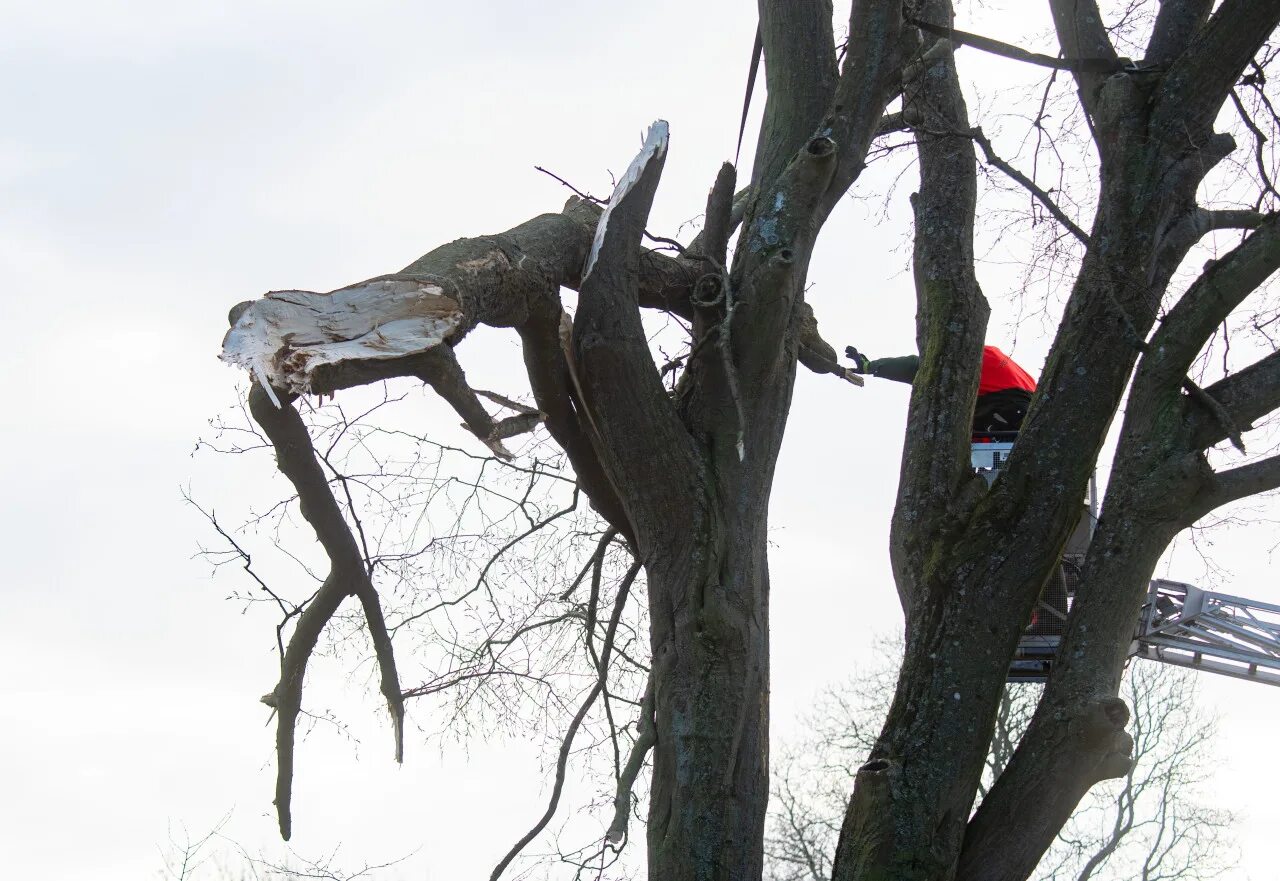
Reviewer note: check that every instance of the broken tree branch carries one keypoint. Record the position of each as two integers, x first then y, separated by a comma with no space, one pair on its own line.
737,211
440,369
319,343
641,441
549,376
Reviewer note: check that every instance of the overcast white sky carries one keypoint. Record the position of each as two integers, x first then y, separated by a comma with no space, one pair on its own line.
160,162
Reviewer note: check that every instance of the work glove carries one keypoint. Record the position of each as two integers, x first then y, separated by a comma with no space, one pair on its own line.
861,363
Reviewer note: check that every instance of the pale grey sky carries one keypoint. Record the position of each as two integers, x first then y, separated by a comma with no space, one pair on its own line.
160,162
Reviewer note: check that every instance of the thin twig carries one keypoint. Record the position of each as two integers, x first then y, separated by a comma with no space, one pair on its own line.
554,176
566,745
646,737
1031,186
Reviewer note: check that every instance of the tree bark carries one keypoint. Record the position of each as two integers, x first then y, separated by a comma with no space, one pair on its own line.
711,667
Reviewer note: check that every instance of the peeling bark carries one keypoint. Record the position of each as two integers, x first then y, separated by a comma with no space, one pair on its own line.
285,337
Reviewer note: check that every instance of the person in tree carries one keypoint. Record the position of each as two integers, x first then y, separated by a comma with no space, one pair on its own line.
1004,388
1004,392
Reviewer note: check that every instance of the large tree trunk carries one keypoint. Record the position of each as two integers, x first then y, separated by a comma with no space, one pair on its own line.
969,562
969,571
711,667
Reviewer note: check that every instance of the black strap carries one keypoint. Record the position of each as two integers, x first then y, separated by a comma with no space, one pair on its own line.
756,52
987,44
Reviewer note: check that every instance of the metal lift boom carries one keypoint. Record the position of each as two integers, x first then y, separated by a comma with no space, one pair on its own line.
1180,624
1184,625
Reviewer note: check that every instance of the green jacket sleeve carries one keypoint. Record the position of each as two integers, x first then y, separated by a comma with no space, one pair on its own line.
898,369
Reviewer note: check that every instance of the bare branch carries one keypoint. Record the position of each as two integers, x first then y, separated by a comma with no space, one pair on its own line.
287,610
1246,396
1183,234
504,401
800,75
440,369
892,122
1207,303
1176,25
566,745
577,192
869,78
348,576
546,363
1259,149
646,737
1087,743
816,354
1199,81
642,442
1102,64
951,314
1082,34
1027,183
1216,410
484,572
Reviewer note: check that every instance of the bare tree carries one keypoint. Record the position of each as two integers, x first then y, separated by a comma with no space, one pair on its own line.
680,466
184,856
1149,823
515,605
213,857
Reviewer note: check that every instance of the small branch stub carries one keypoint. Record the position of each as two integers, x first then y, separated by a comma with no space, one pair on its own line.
655,145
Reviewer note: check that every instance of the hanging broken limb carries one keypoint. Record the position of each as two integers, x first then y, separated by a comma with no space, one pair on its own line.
348,576
523,630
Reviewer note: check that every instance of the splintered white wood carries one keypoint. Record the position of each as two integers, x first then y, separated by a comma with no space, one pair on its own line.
655,144
284,337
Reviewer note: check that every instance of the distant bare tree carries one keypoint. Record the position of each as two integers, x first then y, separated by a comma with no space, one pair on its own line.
215,857
1146,825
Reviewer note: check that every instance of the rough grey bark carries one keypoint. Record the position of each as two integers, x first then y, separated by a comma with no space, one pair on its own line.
969,565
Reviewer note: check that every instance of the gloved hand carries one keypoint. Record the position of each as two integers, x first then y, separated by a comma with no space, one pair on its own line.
861,363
